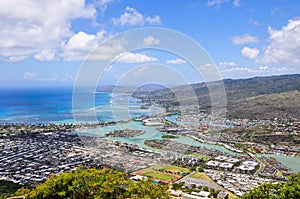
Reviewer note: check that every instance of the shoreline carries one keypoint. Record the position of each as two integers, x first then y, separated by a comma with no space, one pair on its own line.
69,127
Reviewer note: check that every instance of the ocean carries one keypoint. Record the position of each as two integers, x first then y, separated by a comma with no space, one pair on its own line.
54,105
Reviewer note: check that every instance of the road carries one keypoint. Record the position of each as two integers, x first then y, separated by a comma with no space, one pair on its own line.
261,164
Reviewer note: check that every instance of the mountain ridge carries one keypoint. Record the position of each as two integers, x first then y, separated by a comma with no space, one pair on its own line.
237,91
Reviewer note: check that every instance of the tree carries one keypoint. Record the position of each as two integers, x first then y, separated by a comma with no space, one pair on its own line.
94,183
288,190
193,168
176,186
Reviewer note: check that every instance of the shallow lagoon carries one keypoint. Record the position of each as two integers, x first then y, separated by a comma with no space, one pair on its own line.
151,133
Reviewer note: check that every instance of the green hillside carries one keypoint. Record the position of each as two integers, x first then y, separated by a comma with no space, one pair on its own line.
258,97
94,183
281,105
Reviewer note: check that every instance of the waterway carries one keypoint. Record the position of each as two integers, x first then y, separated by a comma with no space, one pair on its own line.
151,133
291,162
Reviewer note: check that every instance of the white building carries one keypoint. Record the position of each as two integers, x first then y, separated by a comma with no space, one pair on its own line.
212,164
226,166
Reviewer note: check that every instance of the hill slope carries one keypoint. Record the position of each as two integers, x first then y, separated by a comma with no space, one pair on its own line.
241,93
281,105
94,183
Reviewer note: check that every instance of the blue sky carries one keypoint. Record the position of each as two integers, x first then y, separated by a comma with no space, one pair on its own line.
46,43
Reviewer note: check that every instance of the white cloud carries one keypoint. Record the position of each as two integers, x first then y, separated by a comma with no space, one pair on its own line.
176,61
205,66
243,39
236,3
250,53
134,58
284,46
108,50
239,72
45,55
132,17
225,64
13,58
215,2
30,27
153,20
80,45
253,22
104,2
263,68
103,5
150,40
29,76
57,78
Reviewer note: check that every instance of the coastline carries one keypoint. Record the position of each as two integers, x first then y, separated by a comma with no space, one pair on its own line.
99,130
135,122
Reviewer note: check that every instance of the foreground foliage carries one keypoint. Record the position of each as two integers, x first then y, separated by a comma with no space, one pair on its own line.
7,188
289,190
93,183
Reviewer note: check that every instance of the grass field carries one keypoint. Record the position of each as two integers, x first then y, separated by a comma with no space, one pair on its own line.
171,168
164,172
159,176
200,175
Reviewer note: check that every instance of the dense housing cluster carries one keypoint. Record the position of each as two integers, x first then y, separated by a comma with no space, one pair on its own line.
29,158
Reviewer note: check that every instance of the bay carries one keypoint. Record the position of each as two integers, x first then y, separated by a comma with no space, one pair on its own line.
54,105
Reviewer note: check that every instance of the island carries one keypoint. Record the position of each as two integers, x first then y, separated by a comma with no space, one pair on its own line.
169,136
125,133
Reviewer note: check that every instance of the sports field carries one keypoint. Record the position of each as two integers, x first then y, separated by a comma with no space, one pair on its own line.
171,168
166,173
159,175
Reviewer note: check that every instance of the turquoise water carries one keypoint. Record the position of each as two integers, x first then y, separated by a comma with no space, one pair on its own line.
291,162
172,118
36,105
190,141
150,134
55,105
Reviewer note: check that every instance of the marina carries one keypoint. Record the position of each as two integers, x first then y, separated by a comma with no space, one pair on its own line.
151,133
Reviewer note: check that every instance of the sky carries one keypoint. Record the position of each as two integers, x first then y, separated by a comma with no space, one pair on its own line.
45,43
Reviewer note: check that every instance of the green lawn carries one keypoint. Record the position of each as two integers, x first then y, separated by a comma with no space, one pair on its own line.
279,173
200,175
171,168
158,175
167,173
